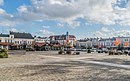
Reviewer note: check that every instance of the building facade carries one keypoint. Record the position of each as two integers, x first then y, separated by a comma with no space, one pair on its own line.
6,40
63,40
103,42
42,39
22,40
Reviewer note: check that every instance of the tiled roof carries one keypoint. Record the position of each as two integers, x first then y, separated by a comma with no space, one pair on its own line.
61,37
4,43
39,44
83,40
21,35
41,37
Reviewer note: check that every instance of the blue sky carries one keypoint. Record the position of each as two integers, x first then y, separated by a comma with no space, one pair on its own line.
82,18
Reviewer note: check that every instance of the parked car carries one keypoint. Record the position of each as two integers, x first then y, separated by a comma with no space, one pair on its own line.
119,52
126,51
61,52
93,50
116,52
84,49
105,50
78,49
68,51
100,51
30,49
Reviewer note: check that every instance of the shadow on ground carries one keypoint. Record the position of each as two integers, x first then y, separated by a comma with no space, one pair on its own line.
76,71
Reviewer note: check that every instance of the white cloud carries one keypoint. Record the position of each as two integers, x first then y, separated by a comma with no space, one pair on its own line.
87,24
7,23
22,9
60,25
45,32
46,27
100,11
105,29
4,14
1,2
74,24
14,30
6,19
105,32
68,11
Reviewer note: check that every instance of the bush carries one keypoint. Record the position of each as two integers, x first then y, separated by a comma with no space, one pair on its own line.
3,53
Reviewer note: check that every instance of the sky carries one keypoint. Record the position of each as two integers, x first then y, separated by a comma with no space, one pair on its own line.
82,18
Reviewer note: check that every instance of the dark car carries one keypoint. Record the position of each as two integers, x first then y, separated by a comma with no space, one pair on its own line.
30,49
127,52
105,50
119,52
100,51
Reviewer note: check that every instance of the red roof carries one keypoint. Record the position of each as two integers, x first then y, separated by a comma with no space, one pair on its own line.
4,43
39,44
14,45
57,45
63,37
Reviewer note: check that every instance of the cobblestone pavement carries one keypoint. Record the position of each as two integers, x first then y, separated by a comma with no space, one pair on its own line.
49,66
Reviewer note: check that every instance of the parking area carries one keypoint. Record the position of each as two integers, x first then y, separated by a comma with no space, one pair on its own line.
49,66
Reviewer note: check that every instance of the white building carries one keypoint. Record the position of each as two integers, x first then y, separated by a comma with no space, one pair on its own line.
103,42
62,39
123,40
22,40
88,42
6,40
84,43
106,42
42,40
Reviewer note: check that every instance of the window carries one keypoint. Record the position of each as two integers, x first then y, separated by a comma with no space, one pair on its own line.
5,40
11,41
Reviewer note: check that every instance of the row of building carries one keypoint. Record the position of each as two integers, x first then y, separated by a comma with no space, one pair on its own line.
17,40
103,42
